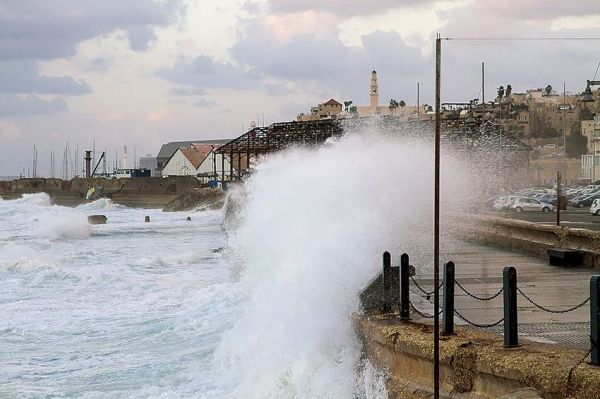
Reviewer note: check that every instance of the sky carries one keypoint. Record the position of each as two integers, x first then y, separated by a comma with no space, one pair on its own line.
141,72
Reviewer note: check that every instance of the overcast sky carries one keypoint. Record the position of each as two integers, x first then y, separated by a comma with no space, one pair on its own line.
142,72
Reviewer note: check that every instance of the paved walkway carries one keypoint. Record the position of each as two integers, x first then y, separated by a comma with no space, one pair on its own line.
479,270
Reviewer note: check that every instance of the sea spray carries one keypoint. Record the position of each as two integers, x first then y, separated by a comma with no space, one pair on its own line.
310,236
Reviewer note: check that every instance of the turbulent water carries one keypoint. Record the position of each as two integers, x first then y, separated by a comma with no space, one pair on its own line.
255,302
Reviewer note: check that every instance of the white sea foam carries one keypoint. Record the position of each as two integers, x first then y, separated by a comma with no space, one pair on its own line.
310,237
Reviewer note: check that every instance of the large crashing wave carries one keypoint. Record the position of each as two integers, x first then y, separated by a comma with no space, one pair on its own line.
309,237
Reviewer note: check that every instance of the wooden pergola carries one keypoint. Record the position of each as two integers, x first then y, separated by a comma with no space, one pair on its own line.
275,137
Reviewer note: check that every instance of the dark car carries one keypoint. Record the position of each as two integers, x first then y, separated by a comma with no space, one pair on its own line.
584,202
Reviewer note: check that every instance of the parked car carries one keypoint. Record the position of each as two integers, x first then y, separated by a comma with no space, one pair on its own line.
595,208
521,204
581,202
503,203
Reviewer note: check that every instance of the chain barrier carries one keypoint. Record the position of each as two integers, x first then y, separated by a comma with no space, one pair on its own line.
428,294
479,298
552,310
572,370
425,315
477,324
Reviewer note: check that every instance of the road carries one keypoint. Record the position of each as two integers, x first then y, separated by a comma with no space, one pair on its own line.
572,217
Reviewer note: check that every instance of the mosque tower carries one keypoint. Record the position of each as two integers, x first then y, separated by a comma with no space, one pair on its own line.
374,92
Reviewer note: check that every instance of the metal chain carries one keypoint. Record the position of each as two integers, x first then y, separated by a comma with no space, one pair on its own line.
422,290
477,324
552,310
479,298
572,370
425,315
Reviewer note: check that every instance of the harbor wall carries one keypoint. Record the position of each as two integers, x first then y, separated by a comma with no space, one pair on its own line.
141,192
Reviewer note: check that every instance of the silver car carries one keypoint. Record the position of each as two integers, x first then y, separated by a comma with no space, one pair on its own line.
522,204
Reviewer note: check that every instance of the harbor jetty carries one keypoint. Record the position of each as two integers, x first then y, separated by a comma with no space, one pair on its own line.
175,193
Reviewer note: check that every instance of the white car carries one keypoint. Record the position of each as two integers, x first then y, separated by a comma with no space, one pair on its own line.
503,203
522,204
595,208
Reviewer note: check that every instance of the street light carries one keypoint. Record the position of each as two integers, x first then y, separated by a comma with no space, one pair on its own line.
586,96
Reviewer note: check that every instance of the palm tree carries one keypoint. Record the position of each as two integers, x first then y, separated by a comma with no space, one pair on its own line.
393,105
347,105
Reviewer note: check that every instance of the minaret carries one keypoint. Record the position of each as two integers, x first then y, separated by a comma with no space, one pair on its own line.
374,92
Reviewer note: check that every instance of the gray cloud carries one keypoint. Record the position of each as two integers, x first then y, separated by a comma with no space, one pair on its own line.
538,9
24,77
186,91
46,30
13,105
343,7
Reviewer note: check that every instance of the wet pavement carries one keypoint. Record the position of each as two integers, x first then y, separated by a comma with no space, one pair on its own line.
479,271
580,218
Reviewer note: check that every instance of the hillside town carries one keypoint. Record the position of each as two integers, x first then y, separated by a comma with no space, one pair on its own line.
561,131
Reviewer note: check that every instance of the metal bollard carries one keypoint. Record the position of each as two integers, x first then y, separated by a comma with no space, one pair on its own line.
511,328
448,301
387,282
404,294
595,319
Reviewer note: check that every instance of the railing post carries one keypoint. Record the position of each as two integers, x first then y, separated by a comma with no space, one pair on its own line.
511,329
595,319
448,300
387,282
404,294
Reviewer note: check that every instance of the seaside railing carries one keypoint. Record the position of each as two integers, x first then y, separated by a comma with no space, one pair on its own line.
390,292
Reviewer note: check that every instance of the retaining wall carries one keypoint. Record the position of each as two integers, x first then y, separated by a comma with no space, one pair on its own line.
529,237
473,364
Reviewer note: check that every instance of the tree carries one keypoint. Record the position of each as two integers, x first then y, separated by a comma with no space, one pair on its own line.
402,103
548,90
576,143
347,105
508,90
500,92
393,105
353,110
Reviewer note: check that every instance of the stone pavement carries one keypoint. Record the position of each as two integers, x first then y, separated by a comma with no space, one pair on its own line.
479,270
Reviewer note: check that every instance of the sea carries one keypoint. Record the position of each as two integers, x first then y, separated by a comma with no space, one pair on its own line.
254,300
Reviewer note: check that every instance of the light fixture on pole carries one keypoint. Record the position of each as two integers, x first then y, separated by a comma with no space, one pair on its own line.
586,96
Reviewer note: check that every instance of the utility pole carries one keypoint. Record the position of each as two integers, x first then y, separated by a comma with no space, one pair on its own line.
436,223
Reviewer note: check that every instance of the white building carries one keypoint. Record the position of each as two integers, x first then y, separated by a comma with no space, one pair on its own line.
590,163
196,160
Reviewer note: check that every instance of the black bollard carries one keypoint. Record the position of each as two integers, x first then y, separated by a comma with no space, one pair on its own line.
595,319
147,219
448,301
387,282
511,328
404,294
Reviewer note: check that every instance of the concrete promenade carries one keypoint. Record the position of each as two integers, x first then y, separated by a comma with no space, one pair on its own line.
479,270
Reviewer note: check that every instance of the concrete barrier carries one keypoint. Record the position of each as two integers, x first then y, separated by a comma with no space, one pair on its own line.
473,364
529,237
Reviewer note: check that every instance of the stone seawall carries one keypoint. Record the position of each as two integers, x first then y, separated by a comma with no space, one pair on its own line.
531,238
147,192
474,364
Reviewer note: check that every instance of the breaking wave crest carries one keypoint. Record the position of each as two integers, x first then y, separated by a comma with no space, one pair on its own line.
309,236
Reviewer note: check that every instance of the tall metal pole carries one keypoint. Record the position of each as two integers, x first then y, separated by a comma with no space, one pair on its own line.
483,92
564,129
436,225
418,102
